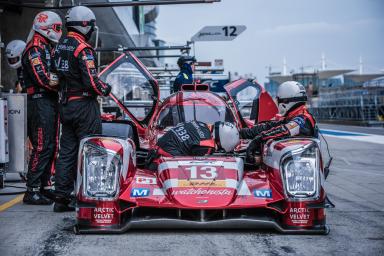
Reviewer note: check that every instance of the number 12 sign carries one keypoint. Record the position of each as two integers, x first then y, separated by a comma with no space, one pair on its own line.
218,33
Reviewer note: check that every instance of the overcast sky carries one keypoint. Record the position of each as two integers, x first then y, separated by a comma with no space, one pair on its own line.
299,30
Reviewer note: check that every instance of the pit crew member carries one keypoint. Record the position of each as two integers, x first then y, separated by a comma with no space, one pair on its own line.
185,76
195,138
295,120
14,51
41,88
79,87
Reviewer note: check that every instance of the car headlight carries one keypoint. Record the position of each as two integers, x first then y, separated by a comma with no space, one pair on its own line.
102,168
301,171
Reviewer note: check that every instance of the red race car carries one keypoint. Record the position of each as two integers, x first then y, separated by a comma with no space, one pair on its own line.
115,192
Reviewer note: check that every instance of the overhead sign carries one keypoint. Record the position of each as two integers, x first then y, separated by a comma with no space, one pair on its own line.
218,33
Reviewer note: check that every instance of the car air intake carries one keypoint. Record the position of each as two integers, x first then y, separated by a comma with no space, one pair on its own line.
195,87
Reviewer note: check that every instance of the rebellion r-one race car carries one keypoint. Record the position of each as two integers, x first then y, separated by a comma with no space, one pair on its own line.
115,192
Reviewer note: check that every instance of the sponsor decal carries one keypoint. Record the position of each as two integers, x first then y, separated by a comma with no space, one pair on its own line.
262,193
88,57
295,142
293,127
200,191
145,180
300,121
202,183
90,64
140,192
103,215
36,61
209,34
14,112
299,215
200,157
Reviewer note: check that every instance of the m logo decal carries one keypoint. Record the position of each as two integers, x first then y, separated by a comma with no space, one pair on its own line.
262,193
140,192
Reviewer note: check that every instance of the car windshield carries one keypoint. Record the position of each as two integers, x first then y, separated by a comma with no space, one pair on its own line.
244,97
131,86
194,110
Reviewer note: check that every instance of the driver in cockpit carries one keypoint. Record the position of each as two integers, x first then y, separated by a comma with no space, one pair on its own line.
194,138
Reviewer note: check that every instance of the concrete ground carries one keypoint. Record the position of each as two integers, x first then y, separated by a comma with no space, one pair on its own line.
355,185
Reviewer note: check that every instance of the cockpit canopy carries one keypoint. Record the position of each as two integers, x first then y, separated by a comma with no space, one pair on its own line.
189,105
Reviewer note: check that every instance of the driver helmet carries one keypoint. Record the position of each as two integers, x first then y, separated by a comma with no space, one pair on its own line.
49,25
13,51
226,136
289,94
82,19
186,59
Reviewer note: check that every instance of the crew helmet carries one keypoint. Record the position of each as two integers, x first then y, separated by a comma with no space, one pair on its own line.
49,25
186,59
82,19
13,51
289,94
226,136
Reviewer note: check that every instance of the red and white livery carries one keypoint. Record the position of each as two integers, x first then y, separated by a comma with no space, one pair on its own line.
115,192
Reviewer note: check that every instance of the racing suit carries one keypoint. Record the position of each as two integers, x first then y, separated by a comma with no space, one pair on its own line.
42,111
79,110
297,122
184,77
192,138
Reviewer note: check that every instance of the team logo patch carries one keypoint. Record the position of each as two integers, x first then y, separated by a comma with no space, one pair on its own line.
42,18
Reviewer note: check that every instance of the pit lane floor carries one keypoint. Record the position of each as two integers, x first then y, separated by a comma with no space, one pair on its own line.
355,185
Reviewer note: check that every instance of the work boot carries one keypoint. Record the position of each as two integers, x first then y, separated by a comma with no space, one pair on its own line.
34,197
59,207
48,193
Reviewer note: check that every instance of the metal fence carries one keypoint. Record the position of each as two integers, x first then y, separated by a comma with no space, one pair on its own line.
363,104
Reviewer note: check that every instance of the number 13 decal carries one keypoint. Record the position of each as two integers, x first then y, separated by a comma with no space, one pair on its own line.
210,172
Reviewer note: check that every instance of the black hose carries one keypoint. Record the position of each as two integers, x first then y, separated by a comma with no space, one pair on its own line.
326,143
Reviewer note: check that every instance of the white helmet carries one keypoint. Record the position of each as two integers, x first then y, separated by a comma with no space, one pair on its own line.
289,94
226,136
49,25
82,19
14,51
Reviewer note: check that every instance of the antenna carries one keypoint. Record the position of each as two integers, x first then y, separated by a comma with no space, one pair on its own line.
284,66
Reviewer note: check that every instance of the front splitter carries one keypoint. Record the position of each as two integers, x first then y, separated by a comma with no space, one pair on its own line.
163,223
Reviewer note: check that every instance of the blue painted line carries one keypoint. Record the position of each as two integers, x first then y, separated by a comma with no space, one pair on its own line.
340,133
